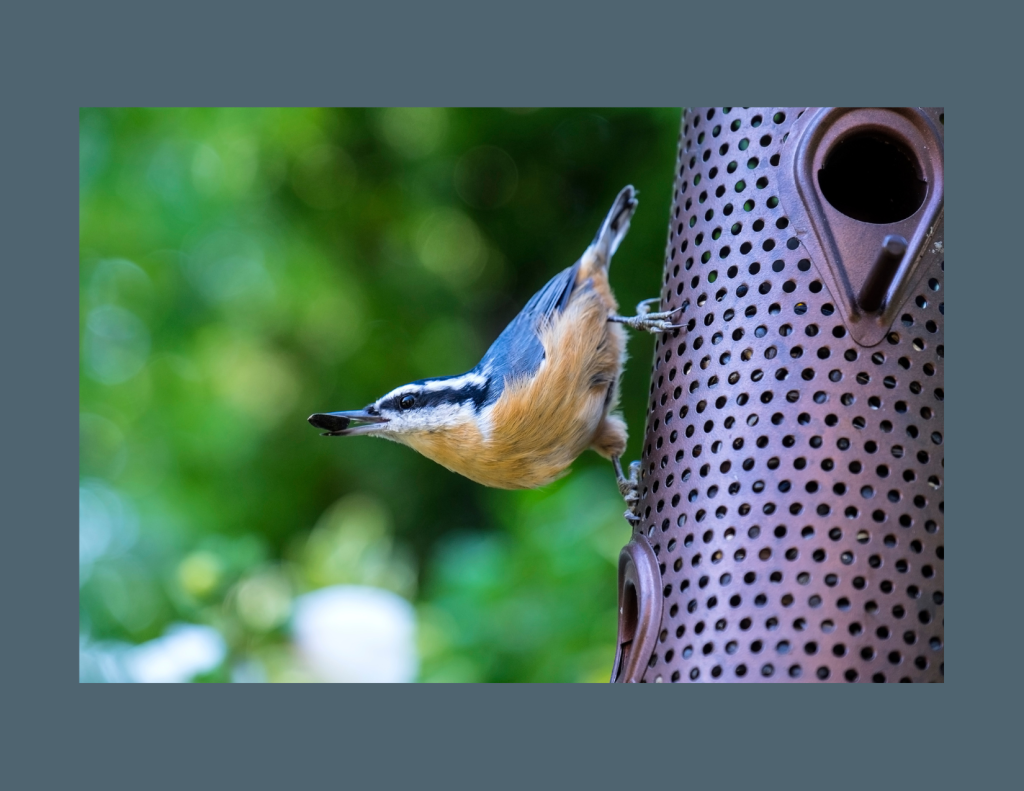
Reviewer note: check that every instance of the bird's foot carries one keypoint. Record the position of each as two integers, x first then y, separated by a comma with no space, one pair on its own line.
650,322
629,487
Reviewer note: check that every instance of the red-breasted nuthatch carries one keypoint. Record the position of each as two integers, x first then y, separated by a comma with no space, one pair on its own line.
542,394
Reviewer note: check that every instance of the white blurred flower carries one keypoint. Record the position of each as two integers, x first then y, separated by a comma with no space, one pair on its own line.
357,634
185,651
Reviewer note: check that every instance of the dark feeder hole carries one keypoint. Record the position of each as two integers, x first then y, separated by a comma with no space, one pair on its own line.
873,178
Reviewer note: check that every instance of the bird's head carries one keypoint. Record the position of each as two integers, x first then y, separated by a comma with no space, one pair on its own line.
430,406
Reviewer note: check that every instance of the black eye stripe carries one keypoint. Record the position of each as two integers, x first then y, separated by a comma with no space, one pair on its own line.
430,397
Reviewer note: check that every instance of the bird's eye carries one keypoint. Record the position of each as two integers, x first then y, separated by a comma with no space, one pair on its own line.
407,402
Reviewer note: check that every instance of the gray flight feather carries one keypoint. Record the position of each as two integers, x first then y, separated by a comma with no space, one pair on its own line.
518,351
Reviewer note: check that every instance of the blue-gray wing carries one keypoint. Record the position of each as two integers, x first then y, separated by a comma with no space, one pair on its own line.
518,350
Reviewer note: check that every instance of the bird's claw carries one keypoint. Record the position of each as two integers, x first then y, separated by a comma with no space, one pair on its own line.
629,488
654,326
642,308
650,322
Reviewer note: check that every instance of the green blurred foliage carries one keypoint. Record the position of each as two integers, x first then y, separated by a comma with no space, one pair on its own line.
241,269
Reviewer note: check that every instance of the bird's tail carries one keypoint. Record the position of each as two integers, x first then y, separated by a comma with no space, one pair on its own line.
616,224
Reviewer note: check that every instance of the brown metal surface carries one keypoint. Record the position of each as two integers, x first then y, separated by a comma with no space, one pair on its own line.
792,483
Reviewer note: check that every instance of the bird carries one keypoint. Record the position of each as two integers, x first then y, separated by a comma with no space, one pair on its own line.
544,392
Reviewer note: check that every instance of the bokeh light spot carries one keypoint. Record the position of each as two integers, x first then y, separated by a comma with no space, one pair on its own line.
450,245
228,265
264,600
116,344
199,574
486,177
207,170
101,447
259,381
324,177
414,131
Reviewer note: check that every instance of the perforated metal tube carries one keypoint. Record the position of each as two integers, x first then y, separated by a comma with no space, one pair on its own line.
792,484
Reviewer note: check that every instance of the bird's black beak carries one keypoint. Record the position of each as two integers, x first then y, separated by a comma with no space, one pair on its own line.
340,424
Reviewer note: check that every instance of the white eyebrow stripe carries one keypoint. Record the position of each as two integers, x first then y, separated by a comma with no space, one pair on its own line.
456,382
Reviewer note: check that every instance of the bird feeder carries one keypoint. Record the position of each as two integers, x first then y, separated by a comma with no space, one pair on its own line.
792,482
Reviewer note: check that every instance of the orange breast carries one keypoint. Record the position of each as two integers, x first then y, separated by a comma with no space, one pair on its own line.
540,425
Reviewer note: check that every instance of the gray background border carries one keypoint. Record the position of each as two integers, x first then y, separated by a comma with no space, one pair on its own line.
56,59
